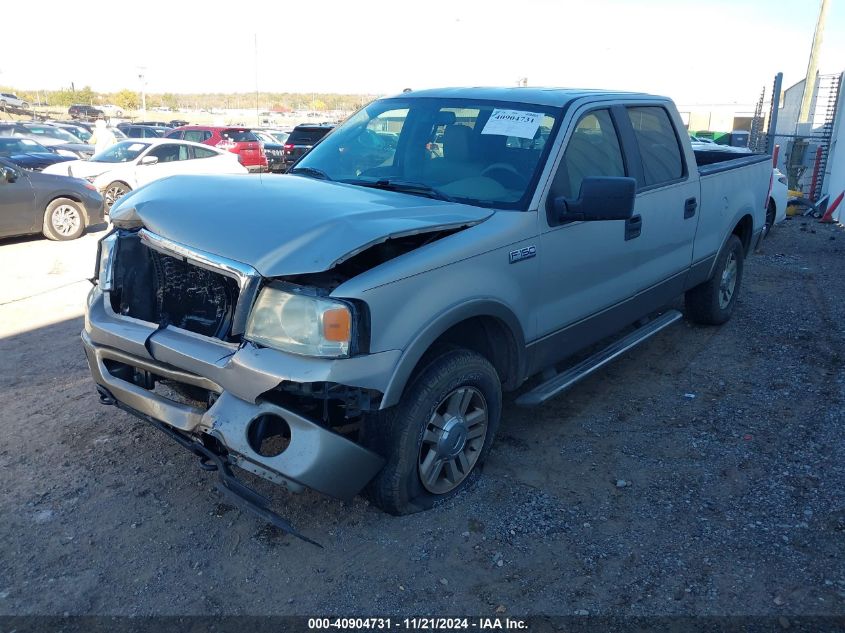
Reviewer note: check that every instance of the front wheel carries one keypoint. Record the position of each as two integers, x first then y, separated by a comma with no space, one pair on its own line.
114,192
713,302
436,438
64,219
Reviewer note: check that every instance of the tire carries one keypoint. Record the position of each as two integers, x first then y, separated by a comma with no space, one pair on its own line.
64,219
405,434
713,302
3,105
24,106
114,192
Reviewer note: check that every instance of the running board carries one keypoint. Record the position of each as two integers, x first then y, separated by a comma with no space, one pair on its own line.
564,380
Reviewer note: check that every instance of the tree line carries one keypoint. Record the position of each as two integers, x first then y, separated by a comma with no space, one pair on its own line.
131,99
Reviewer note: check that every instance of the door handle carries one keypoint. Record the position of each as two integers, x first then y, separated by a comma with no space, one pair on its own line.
633,227
690,206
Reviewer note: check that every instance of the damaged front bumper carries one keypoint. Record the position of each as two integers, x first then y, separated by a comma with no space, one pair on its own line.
120,349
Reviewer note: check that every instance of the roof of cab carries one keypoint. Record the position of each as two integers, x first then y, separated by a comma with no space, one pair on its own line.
552,97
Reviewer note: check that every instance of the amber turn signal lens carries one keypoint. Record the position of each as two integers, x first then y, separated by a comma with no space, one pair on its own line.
337,325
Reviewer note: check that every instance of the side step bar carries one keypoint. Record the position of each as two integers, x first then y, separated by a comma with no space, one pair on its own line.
564,380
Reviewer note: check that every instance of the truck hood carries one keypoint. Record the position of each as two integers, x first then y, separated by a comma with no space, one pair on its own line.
283,225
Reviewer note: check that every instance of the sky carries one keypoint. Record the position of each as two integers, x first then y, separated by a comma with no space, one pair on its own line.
695,51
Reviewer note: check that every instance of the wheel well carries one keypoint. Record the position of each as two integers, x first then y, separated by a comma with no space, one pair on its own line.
489,336
743,231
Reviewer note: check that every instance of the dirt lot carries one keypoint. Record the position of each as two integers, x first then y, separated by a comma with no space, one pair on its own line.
702,474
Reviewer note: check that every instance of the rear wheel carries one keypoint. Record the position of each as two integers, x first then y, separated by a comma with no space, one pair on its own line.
114,192
713,302
436,438
2,105
64,219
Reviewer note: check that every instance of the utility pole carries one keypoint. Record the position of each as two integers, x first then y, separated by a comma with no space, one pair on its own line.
143,79
813,64
257,116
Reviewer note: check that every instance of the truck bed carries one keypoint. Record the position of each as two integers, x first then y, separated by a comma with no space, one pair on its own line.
711,161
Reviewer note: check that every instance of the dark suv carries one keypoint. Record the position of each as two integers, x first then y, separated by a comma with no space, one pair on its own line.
142,131
301,140
85,112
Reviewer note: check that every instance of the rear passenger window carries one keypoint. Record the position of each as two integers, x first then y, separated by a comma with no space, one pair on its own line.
201,152
592,151
197,136
659,149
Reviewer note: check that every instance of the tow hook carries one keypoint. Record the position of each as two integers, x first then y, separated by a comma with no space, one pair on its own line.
105,397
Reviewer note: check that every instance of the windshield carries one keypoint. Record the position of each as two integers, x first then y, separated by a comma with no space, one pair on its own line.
78,133
52,132
281,137
122,152
12,146
486,153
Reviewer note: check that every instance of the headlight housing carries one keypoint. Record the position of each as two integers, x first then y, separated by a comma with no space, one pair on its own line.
299,323
105,261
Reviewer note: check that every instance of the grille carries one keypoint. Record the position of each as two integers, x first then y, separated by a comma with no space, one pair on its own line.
154,287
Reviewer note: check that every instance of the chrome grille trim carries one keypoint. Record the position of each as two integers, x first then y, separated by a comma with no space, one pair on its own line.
247,278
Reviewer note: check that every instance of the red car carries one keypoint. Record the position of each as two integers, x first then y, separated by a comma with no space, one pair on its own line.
238,140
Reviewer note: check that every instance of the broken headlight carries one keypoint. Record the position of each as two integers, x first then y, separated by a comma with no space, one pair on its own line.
300,323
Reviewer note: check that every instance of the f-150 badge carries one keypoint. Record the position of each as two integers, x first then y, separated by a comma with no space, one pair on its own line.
522,253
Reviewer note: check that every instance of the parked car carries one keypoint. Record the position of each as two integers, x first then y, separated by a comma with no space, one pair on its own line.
274,151
280,135
33,202
85,112
778,199
58,140
111,110
131,163
78,131
153,124
237,140
301,140
354,323
10,100
142,131
177,123
25,152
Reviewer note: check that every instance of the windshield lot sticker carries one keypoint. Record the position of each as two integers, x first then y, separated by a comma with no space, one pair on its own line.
136,147
513,123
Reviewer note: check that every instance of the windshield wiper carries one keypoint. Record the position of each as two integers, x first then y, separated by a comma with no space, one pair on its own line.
402,186
310,171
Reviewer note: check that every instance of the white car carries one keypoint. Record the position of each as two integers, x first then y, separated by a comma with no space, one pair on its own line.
133,163
111,110
7,99
776,210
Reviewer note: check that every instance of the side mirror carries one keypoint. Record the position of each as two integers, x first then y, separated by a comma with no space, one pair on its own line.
148,160
7,174
605,198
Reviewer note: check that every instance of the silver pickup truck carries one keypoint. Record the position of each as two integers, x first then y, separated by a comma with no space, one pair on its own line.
354,323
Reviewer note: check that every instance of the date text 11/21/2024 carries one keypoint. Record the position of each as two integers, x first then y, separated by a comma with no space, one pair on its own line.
417,624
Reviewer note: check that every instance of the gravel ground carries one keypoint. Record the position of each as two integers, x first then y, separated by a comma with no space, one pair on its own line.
700,475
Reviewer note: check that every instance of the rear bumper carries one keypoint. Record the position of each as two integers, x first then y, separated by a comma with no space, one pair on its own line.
315,457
